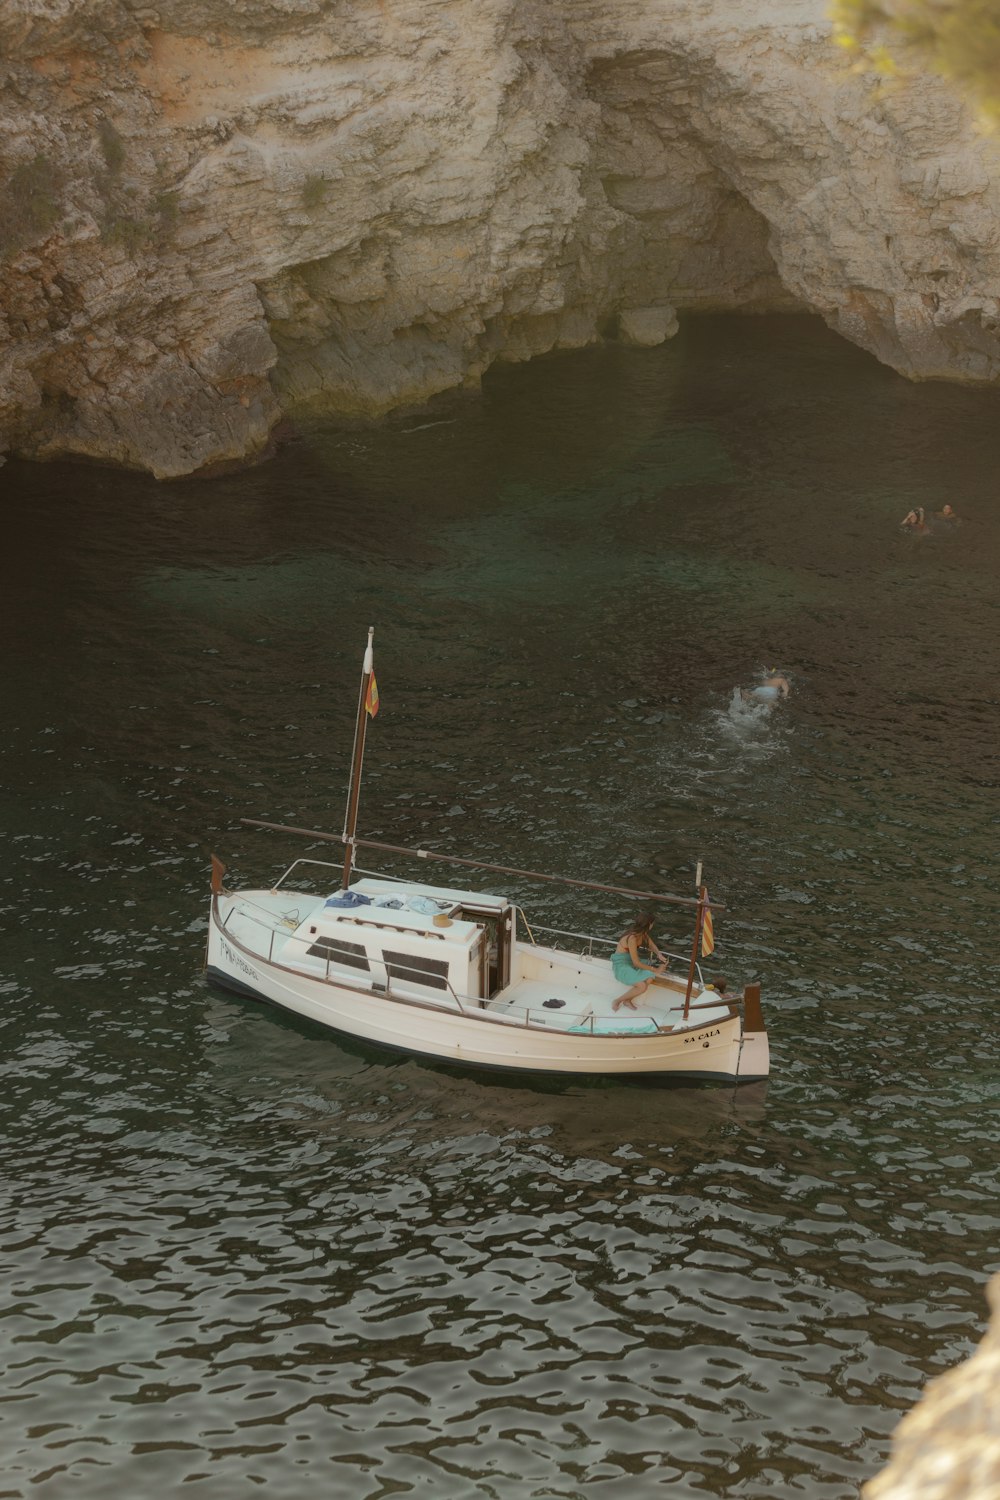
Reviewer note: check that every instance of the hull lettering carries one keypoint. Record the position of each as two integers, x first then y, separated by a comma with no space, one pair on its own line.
702,1037
238,962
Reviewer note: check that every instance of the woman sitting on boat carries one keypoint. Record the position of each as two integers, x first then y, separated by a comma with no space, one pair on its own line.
628,968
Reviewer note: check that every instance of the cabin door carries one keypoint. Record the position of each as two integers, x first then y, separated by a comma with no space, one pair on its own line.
496,930
505,942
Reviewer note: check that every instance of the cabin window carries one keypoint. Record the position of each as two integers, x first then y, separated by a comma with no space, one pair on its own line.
352,955
414,970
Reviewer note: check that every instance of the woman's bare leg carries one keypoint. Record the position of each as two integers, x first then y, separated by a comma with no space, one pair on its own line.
630,996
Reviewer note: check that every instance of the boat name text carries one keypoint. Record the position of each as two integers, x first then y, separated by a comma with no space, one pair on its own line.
702,1037
236,961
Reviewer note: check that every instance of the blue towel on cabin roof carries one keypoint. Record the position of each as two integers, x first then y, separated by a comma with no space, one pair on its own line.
425,905
344,899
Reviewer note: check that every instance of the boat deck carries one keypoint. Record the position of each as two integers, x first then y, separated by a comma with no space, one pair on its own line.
557,990
545,1003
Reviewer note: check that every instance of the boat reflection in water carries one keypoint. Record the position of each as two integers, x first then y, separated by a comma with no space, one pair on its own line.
363,1095
461,976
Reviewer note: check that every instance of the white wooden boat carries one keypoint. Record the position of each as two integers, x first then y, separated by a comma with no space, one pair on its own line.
461,976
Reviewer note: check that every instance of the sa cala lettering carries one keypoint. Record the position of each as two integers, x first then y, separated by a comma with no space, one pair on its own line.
702,1037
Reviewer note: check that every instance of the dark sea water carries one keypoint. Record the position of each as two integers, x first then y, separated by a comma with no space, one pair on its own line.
239,1255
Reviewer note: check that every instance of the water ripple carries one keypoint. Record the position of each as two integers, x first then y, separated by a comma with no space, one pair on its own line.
236,1252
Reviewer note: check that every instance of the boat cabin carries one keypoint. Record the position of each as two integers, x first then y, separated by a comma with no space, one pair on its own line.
427,940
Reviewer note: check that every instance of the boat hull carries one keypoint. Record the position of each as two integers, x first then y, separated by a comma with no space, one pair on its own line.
718,1051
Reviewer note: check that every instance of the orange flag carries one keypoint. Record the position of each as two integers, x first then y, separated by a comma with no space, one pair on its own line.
371,697
707,929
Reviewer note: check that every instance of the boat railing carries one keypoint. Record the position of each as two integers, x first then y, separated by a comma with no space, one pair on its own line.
304,861
273,925
380,875
326,865
559,932
589,940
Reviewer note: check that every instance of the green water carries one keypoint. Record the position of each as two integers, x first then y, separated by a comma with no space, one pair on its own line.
237,1251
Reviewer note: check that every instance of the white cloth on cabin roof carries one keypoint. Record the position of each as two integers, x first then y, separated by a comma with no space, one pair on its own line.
424,904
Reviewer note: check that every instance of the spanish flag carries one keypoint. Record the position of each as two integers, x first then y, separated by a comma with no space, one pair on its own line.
371,697
707,930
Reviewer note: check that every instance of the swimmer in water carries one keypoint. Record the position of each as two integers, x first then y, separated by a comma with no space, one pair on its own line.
774,687
946,519
915,522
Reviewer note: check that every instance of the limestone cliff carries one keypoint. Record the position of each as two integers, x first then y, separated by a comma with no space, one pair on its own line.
212,213
948,1447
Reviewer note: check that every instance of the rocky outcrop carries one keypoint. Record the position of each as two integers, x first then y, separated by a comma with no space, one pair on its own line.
948,1447
216,213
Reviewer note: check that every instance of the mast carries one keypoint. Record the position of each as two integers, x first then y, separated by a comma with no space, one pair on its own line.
354,787
699,923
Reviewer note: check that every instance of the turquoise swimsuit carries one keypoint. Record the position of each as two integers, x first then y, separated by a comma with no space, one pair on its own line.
625,970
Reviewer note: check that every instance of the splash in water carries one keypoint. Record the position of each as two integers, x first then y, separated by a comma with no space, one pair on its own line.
746,725
749,709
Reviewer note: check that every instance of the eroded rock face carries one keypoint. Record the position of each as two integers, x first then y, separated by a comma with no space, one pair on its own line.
948,1446
213,213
